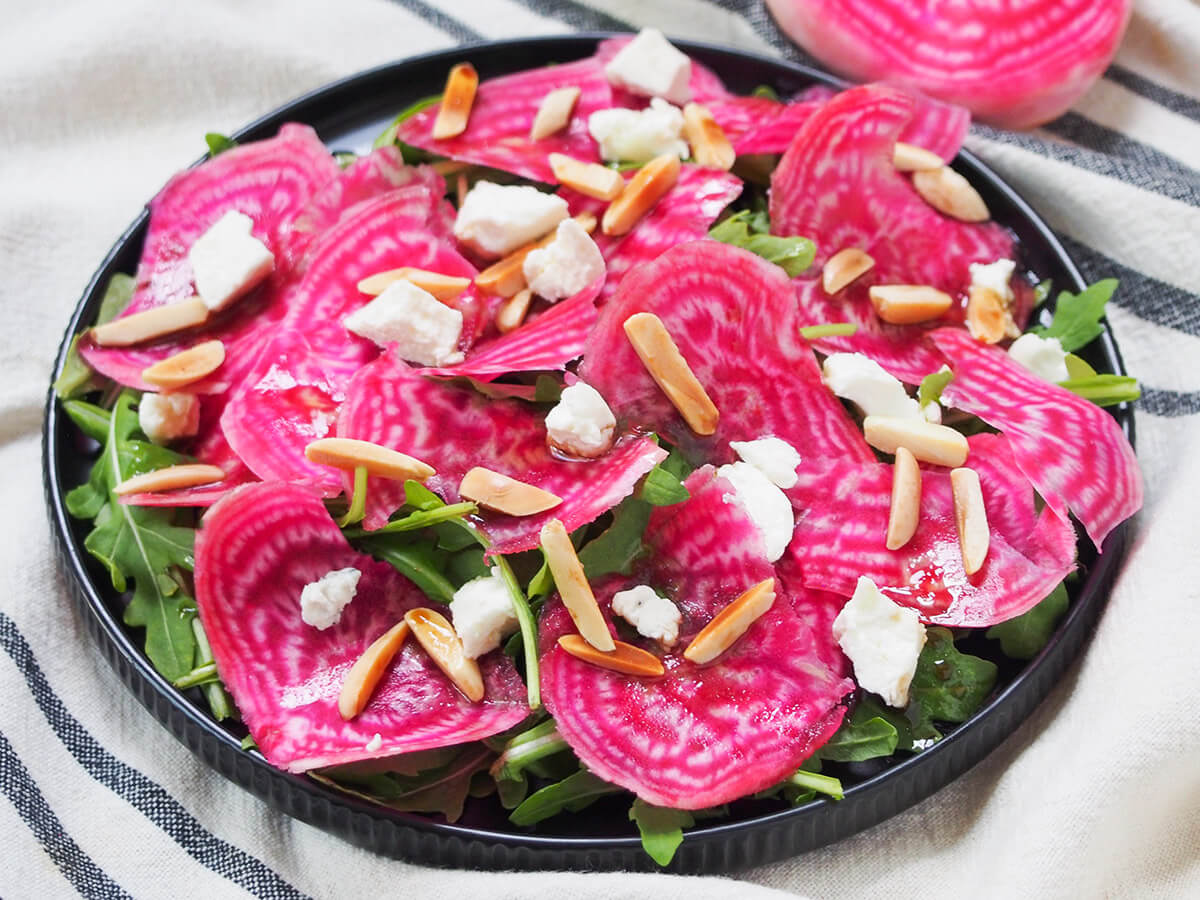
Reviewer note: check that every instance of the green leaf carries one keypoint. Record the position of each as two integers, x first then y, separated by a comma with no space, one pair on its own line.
615,548
932,385
948,686
572,794
1104,390
388,136
92,420
820,784
661,488
1077,316
1078,367
832,329
1026,635
420,497
419,561
661,829
345,159
748,230
547,389
358,499
1041,291
218,698
77,377
863,735
218,143
765,91
525,751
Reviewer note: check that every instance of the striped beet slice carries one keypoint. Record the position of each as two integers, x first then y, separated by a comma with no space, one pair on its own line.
497,133
1072,450
255,551
700,735
842,512
705,84
455,428
733,316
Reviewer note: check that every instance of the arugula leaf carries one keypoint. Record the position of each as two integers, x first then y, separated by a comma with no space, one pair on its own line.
92,420
662,488
932,385
218,143
948,686
765,91
1077,316
750,231
140,543
1078,367
661,829
1104,390
615,548
547,389
421,562
345,159
863,735
77,377
818,784
571,794
1026,635
524,751
832,329
1041,291
388,136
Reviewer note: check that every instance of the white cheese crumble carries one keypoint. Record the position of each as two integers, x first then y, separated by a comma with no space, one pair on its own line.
869,386
424,330
631,135
566,265
165,417
766,505
653,67
322,601
882,639
774,457
497,219
1044,357
228,261
653,616
375,743
482,613
581,423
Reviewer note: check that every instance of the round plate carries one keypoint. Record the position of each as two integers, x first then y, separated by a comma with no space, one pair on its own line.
348,114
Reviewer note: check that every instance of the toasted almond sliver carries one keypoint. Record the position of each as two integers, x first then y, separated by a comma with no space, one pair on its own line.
645,189
171,478
368,670
905,513
442,643
907,304
573,586
506,276
513,312
987,315
911,158
185,366
844,267
384,462
498,492
971,517
710,146
625,658
731,623
666,365
457,100
937,444
591,179
949,192
554,113
156,322
444,287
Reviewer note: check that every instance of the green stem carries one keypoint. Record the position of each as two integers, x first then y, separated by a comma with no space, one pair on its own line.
205,674
218,698
358,499
822,784
417,520
525,619
833,329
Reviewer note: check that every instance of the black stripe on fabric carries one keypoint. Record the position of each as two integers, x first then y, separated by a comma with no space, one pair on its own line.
578,15
143,794
460,31
1083,131
756,15
1169,404
1153,91
76,866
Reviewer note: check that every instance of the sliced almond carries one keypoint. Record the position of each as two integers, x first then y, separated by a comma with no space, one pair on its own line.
624,658
907,304
498,492
937,444
590,179
731,623
911,158
573,586
666,365
364,676
971,517
461,187
444,287
554,112
172,478
844,267
949,192
457,100
149,324
513,312
987,315
710,146
506,277
645,189
384,462
186,366
441,642
905,513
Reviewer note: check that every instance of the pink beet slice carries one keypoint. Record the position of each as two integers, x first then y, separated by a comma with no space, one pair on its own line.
455,428
733,316
700,735
1072,450
255,551
705,84
842,512
1015,64
497,133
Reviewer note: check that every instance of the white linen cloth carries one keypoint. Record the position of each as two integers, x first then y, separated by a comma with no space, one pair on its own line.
1097,794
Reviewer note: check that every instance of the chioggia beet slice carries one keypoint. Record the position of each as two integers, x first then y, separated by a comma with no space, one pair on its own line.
700,735
841,522
733,316
455,428
1072,450
255,551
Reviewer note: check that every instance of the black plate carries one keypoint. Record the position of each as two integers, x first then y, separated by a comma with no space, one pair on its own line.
348,114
